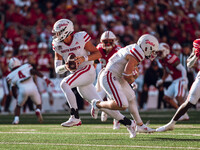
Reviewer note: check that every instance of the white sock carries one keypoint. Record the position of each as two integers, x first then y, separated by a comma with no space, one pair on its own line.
16,118
115,114
71,99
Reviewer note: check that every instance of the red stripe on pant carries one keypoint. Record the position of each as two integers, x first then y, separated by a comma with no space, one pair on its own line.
180,89
113,89
77,74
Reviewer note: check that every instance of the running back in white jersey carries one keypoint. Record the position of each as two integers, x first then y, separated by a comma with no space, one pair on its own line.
76,47
20,74
117,62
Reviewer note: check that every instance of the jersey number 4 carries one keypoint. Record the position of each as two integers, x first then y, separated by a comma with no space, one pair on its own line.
21,75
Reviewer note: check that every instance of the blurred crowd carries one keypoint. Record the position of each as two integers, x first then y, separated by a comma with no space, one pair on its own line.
30,22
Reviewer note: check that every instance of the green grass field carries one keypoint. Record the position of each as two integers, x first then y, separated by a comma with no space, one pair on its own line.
95,135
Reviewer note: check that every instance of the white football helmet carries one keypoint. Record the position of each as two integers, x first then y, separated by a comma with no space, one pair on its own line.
62,29
13,63
108,35
176,48
23,47
8,51
149,44
8,48
42,45
163,50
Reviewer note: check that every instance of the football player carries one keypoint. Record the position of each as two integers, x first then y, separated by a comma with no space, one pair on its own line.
194,94
23,53
65,42
44,63
4,60
108,46
121,71
23,86
172,66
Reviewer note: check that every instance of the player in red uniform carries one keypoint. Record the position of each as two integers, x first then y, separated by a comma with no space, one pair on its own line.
24,58
194,94
23,53
4,60
107,48
173,67
44,63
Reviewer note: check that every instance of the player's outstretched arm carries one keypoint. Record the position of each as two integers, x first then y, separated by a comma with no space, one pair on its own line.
191,60
39,74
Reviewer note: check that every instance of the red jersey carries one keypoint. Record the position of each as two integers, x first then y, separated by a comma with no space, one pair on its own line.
23,59
167,64
104,59
4,63
43,62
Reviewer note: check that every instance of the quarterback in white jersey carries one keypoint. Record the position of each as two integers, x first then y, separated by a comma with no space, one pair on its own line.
194,94
23,86
121,71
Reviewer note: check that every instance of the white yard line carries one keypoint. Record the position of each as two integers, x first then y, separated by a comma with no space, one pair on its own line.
93,145
100,133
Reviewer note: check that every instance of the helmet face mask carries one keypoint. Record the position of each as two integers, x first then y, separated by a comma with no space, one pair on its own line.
149,44
62,29
13,63
108,40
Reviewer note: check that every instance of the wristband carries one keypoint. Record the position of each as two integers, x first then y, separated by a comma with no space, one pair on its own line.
86,58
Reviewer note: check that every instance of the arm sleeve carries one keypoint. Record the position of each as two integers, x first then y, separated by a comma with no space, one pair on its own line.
182,69
59,67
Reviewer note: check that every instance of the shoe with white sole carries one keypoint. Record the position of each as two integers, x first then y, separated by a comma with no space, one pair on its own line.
116,124
104,116
167,127
94,109
184,117
72,122
15,122
132,129
39,115
144,129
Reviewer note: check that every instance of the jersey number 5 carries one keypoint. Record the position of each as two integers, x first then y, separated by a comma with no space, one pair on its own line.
21,75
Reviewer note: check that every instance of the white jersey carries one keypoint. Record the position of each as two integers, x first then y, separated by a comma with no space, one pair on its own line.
76,47
20,74
117,62
22,78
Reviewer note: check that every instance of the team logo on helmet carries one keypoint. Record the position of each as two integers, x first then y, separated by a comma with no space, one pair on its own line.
151,43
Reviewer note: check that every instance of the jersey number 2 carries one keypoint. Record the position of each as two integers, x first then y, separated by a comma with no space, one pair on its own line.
21,75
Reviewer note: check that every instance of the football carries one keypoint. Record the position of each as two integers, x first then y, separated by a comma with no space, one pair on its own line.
71,64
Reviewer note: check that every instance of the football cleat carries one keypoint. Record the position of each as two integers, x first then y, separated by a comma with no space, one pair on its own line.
72,122
39,115
132,129
104,116
15,122
144,129
94,109
184,117
167,127
116,124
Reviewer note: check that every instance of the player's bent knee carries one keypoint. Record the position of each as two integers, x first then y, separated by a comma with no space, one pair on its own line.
124,106
63,85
